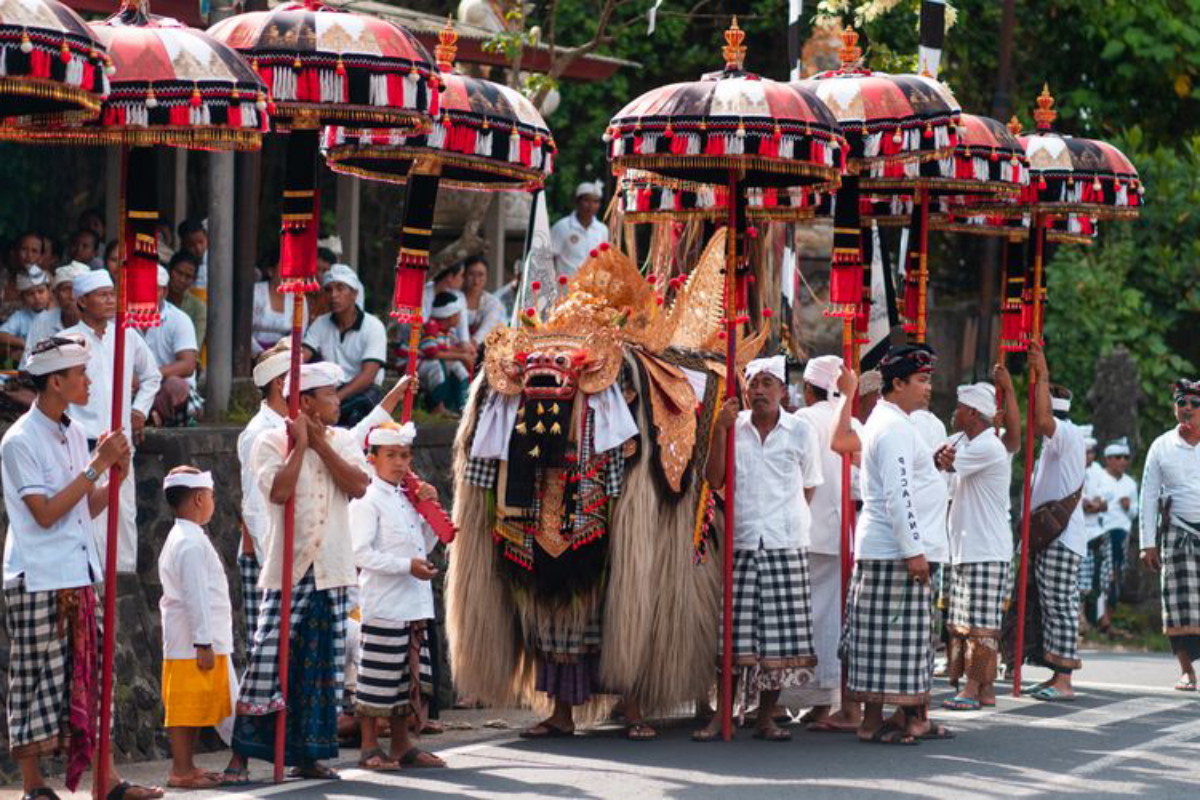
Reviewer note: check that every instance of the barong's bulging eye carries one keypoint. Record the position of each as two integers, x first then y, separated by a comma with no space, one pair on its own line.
562,362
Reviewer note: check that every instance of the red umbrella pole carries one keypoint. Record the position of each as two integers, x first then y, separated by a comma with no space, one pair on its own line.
847,498
1039,235
923,265
115,476
732,292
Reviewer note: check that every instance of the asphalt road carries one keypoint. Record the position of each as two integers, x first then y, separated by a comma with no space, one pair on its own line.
1127,736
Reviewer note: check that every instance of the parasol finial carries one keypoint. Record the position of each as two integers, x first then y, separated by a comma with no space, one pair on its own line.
447,47
1045,114
850,53
734,51
1014,126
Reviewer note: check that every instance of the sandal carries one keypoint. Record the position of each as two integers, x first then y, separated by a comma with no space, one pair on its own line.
640,732
43,792
195,781
432,728
376,761
232,776
890,733
315,772
706,735
937,732
544,730
773,733
123,788
1052,695
962,704
412,759
1185,684
825,726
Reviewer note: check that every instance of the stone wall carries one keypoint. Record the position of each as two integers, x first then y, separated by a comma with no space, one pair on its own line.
139,734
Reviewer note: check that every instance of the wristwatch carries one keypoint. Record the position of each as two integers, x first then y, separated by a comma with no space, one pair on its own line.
91,474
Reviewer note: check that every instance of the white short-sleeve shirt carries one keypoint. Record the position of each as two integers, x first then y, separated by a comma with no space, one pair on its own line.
40,456
365,340
979,523
174,335
388,534
771,473
825,533
1058,474
571,243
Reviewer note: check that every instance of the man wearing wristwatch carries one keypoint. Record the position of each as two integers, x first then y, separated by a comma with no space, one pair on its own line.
53,489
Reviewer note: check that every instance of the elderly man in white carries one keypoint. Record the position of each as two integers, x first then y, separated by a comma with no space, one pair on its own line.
97,301
576,235
778,465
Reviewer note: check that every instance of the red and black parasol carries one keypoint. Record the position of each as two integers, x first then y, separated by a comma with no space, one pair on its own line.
52,66
737,130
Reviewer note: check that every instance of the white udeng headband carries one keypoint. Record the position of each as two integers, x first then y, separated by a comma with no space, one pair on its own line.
188,480
1060,404
402,435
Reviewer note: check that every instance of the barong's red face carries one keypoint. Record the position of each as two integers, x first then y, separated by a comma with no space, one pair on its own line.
551,374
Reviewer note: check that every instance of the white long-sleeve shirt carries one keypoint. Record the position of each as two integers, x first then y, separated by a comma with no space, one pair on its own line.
388,534
1172,470
1114,490
825,530
898,521
96,417
195,603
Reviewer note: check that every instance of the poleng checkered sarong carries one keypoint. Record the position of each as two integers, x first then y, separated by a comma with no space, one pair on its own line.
977,594
385,669
249,570
39,673
1056,570
772,618
1096,569
260,693
1181,582
886,644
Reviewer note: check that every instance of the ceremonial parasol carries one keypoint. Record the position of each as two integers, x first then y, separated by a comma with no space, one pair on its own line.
1070,176
52,66
171,85
323,66
735,129
487,137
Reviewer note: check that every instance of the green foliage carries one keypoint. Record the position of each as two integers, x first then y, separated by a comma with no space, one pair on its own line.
1138,287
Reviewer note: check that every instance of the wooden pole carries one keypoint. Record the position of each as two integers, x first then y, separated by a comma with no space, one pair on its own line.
115,476
923,266
1039,234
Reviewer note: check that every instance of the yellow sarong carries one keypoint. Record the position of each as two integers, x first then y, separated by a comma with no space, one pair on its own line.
195,698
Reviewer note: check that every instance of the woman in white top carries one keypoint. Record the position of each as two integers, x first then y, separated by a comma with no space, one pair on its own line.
272,313
484,311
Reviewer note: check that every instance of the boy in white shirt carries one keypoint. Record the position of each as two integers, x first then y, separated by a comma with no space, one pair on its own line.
198,684
391,547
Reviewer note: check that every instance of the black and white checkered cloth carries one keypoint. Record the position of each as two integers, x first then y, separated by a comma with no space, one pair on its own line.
249,570
260,692
384,670
772,609
1096,569
39,676
482,472
886,643
1056,570
977,594
1181,582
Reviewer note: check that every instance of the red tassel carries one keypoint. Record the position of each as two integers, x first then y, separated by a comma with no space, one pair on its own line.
715,146
39,63
179,116
308,85
408,293
912,289
235,114
526,151
845,285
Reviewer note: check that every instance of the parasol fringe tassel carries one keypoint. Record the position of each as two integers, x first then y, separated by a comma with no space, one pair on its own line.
483,143
437,136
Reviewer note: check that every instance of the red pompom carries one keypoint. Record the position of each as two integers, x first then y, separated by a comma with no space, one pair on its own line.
658,298
721,334
531,312
652,279
536,286
603,246
562,280
752,232
594,253
768,313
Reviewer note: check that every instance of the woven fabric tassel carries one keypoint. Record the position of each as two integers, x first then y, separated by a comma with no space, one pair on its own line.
283,83
74,74
298,237
412,259
140,270
846,273
411,89
1011,333
483,143
912,279
377,90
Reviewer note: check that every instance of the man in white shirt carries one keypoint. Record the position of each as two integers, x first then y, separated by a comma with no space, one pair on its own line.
324,469
825,552
97,302
351,338
53,488
173,343
33,287
981,542
1058,478
1170,527
574,236
1120,492
887,645
777,457
65,313
1095,571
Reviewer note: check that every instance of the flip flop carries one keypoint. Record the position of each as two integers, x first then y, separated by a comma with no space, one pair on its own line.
825,726
961,704
315,772
42,792
410,759
890,733
231,776
640,732
705,735
547,731
937,732
377,761
1052,695
773,734
194,782
123,788
1185,684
